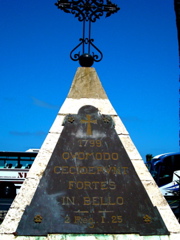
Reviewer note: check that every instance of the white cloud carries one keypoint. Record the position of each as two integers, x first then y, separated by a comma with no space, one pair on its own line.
18,133
43,104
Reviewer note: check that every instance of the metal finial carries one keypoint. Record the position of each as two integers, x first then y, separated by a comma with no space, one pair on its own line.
87,11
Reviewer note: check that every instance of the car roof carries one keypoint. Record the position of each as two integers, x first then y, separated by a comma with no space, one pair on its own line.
166,154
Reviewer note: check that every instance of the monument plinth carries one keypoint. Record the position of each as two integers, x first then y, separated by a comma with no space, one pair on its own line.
88,180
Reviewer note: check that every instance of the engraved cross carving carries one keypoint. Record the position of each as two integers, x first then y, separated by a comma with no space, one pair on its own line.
89,121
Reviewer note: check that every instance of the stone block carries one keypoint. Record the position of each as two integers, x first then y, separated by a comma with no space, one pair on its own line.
154,193
7,237
152,238
169,219
56,237
174,237
127,237
57,125
73,105
119,126
142,170
49,142
130,148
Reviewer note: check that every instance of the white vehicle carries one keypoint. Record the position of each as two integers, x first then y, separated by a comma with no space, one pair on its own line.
165,169
172,188
14,167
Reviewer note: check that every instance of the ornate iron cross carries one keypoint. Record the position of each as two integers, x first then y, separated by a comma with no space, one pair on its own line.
87,11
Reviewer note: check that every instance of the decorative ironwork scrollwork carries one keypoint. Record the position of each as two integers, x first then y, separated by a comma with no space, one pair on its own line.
87,11
95,57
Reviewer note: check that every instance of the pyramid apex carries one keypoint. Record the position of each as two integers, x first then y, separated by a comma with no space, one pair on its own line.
86,84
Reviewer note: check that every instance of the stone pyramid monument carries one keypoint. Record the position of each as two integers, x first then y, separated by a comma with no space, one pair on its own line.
88,180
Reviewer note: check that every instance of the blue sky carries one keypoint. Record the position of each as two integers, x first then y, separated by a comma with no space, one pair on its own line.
139,71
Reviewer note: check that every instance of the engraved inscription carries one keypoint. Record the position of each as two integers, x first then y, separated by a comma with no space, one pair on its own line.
90,170
91,143
90,156
84,156
95,185
89,185
77,219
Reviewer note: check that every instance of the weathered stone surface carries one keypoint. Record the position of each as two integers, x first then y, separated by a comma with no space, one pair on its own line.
7,237
130,148
48,144
119,126
142,170
57,237
90,166
174,237
72,106
128,237
169,218
57,126
24,197
92,237
86,84
164,238
82,236
154,193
